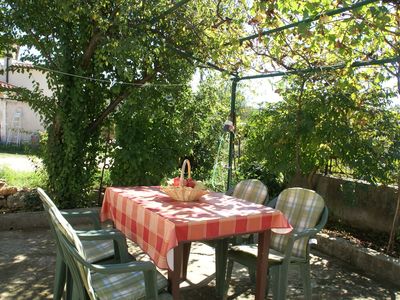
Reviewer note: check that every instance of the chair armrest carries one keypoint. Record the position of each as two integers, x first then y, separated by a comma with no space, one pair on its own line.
296,235
309,232
119,239
123,267
93,216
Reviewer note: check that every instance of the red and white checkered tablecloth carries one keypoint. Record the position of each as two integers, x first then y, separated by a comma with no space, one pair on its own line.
157,223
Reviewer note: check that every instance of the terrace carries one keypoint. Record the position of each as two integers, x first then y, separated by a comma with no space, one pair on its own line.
27,263
126,98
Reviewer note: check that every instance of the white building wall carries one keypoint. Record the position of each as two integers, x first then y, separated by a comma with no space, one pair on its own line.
25,77
30,121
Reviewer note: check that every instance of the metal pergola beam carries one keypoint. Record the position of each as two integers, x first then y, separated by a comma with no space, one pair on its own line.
323,68
308,20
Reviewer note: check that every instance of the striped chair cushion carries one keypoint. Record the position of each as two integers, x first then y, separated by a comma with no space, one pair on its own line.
123,286
302,208
252,190
98,250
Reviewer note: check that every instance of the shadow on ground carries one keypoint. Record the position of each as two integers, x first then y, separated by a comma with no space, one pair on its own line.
27,260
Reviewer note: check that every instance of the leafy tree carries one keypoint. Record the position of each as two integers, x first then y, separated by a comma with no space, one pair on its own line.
365,33
337,118
171,124
209,151
88,49
153,131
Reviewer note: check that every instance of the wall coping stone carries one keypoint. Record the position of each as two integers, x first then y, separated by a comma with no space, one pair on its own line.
374,263
35,219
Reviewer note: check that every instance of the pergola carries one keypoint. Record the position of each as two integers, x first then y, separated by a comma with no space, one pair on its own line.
236,78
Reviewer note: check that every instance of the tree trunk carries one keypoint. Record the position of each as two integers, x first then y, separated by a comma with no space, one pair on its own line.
395,223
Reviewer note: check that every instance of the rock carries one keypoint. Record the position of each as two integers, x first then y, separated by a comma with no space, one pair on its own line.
15,201
8,190
3,202
31,200
2,183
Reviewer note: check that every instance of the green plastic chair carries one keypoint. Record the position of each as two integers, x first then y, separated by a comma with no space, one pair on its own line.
252,190
127,280
307,213
100,245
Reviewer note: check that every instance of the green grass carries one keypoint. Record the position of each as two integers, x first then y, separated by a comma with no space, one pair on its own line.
21,179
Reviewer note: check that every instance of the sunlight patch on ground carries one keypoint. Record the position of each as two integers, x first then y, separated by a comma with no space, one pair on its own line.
19,258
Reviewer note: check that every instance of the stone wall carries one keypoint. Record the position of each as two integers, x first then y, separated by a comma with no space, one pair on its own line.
360,205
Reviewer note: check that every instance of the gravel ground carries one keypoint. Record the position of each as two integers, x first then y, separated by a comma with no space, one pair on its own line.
27,261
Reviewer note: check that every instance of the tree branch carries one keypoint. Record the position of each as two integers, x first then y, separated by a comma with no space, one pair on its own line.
91,47
41,48
222,20
95,39
121,97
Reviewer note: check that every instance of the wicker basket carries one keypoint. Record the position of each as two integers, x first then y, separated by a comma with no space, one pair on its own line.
184,193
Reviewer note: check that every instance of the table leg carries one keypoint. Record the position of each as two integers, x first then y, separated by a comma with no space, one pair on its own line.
221,257
174,276
262,263
186,253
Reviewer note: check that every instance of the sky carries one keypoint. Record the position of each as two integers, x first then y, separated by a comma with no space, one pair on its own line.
259,91
263,90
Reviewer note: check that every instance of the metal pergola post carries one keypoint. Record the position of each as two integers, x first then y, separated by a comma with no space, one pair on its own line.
232,134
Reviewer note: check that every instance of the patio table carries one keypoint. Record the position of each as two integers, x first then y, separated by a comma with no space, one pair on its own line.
164,228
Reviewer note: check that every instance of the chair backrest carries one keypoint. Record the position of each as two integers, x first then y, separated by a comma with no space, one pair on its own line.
68,237
47,204
252,190
46,201
64,233
303,209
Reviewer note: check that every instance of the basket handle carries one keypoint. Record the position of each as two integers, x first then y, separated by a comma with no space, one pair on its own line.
185,163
